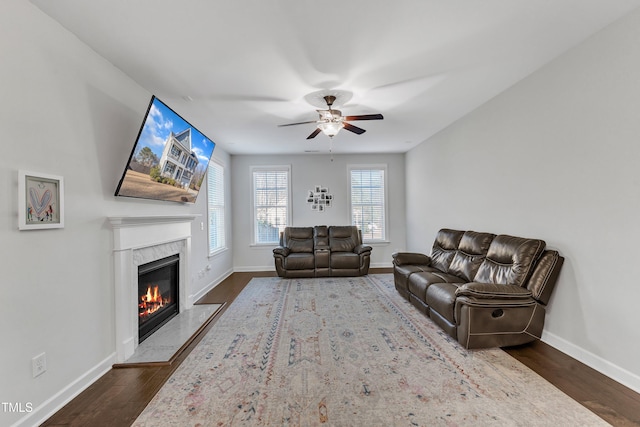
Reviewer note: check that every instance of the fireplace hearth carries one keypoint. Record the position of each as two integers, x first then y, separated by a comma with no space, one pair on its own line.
157,294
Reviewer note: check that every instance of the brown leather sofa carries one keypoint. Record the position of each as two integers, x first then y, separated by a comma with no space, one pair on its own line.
483,290
321,251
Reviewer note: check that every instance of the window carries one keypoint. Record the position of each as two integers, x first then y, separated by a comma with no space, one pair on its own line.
271,199
169,168
215,197
368,201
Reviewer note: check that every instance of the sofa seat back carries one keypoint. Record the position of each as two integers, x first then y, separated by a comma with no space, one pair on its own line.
343,238
298,239
510,260
470,254
444,248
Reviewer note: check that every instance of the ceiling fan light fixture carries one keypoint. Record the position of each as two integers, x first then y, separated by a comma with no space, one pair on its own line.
331,121
330,129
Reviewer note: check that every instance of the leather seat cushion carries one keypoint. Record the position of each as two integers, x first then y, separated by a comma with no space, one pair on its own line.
448,278
419,282
406,270
441,298
340,260
300,261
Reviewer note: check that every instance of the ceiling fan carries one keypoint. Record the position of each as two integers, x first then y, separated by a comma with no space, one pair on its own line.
331,121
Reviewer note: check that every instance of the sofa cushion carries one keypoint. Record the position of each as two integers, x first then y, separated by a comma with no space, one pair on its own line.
441,298
471,252
300,261
420,281
343,238
444,248
509,260
298,239
407,270
342,260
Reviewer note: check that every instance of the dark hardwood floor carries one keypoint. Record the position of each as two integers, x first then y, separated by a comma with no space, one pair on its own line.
119,396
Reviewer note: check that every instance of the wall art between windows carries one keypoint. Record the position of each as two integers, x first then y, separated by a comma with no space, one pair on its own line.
319,198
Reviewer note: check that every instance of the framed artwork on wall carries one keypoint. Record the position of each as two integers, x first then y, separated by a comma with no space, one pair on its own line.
319,198
40,201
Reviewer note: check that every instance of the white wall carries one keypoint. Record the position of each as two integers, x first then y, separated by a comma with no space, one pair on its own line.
555,157
307,171
66,111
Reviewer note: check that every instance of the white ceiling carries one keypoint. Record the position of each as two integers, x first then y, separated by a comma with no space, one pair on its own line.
237,69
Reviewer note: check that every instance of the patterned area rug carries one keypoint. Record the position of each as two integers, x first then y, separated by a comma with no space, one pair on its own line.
348,352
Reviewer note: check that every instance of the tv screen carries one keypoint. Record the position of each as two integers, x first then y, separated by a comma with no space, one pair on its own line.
169,158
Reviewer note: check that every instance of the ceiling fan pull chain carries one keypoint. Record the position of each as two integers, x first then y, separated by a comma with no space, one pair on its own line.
331,147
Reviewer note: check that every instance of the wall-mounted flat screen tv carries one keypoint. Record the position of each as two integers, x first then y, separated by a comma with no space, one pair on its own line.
169,159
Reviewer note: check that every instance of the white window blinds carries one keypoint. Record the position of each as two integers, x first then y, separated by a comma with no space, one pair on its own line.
271,198
368,202
215,196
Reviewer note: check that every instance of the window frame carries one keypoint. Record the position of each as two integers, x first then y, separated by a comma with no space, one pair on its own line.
385,198
223,246
254,219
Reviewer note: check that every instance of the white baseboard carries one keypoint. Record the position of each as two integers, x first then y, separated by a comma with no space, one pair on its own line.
381,265
44,411
211,285
594,361
251,269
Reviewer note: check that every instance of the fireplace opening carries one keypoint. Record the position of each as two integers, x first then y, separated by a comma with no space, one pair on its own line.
157,294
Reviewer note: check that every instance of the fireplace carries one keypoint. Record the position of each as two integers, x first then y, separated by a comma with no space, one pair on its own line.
139,240
157,294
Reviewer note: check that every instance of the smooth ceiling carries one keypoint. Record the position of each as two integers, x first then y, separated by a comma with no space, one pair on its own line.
237,69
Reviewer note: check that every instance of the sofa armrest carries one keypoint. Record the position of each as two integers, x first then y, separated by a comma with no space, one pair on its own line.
361,249
493,291
412,258
281,250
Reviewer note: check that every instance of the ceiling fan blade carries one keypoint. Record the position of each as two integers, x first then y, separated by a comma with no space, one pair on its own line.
314,133
365,117
354,129
299,123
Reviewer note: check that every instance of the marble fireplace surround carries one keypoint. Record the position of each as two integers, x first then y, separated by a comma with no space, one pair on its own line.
138,240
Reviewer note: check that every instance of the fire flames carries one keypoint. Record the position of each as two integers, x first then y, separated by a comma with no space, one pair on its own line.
151,302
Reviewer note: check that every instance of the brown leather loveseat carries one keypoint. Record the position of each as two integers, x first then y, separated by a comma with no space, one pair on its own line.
321,251
482,289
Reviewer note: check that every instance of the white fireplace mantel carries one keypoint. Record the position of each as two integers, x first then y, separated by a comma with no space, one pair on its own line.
138,240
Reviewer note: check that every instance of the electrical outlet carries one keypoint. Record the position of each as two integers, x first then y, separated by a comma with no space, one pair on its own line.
39,364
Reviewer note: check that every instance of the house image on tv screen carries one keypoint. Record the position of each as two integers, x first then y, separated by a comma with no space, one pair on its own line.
169,159
178,161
